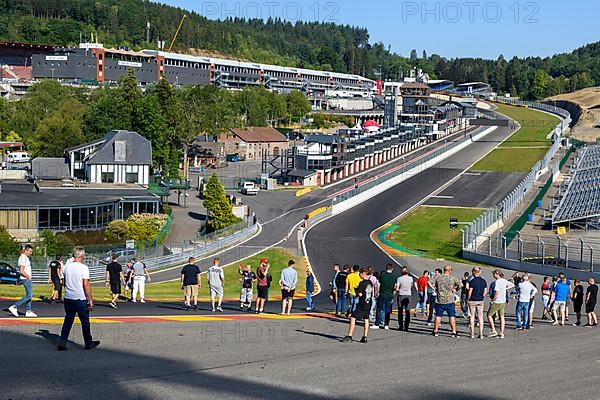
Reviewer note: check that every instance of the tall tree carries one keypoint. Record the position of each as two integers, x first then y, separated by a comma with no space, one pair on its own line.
219,210
59,130
298,105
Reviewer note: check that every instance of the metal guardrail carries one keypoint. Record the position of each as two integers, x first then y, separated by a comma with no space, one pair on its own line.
98,269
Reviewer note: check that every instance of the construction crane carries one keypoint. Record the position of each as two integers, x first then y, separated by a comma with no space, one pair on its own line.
177,32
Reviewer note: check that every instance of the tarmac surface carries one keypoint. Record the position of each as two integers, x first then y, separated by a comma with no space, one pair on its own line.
477,189
297,358
280,212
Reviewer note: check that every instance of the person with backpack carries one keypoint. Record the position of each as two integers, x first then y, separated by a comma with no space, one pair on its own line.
262,285
340,283
364,294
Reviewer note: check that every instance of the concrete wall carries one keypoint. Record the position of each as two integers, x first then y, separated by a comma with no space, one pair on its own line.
367,194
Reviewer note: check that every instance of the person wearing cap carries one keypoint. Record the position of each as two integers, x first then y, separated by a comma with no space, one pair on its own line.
262,284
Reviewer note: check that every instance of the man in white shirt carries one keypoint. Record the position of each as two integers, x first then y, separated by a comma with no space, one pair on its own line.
501,286
216,280
25,271
78,300
526,292
139,276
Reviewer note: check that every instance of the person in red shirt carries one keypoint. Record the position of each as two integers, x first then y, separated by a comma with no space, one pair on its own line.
262,278
422,283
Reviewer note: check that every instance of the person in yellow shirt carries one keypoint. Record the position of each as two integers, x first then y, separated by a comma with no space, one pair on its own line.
352,282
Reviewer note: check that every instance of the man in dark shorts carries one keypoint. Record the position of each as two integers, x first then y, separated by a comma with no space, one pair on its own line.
364,293
591,297
190,283
114,278
577,297
55,278
262,285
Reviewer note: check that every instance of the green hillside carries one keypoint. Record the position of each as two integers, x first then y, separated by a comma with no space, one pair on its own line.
325,46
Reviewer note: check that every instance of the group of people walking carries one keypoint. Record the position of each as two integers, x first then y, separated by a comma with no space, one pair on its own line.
368,296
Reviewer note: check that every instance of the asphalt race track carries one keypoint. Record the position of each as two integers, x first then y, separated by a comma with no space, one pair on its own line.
345,238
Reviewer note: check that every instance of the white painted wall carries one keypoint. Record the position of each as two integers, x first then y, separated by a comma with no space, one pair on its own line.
360,198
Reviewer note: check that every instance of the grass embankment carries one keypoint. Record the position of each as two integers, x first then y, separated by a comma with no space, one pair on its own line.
427,231
171,291
525,147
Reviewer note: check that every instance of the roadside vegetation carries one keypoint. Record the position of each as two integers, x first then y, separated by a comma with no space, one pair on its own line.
525,147
427,231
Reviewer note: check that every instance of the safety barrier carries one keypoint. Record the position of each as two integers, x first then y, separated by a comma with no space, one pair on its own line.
415,166
98,269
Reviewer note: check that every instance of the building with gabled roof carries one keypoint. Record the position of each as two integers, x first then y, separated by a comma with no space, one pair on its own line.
250,143
120,157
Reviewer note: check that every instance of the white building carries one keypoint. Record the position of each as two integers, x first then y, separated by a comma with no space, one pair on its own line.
120,157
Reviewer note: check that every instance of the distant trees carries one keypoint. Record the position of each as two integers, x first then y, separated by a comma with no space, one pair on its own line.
52,117
324,46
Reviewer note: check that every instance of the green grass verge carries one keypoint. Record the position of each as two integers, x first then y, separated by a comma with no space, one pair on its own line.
510,160
535,126
525,147
171,291
427,230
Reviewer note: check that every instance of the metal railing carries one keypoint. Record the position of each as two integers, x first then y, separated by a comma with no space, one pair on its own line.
546,250
478,237
212,244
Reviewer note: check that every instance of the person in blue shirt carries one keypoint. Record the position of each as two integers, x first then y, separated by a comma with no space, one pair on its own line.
560,294
287,282
310,288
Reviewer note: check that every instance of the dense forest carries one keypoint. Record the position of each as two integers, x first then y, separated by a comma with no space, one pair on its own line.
317,45
52,117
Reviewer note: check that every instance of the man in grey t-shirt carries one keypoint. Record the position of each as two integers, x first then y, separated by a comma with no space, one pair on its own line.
446,286
216,279
404,285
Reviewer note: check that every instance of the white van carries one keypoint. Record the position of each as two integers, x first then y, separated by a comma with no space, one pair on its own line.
18,157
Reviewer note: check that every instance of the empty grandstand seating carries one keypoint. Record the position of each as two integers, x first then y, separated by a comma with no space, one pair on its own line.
581,200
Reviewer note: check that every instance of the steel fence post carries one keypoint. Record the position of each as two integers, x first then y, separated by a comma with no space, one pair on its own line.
543,252
581,249
566,255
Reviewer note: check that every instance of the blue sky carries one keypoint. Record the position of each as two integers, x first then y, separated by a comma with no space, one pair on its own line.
462,28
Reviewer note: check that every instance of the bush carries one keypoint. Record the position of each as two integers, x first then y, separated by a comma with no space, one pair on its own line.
117,230
8,246
166,209
141,227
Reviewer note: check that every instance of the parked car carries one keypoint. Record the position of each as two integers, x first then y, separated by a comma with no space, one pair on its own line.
249,188
9,274
124,255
